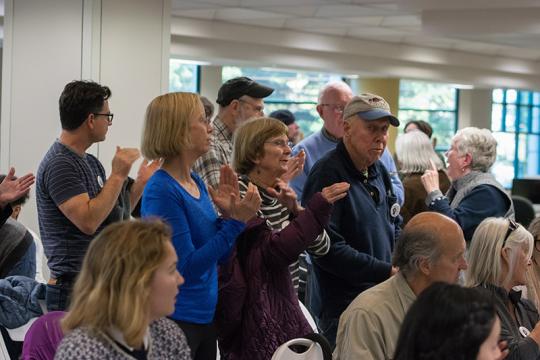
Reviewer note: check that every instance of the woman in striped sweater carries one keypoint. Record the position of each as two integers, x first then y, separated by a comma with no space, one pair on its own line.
267,251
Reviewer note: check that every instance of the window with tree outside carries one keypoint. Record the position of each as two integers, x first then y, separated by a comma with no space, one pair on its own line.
296,91
184,76
435,103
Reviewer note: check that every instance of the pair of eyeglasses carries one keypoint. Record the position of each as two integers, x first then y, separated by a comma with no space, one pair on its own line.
512,226
259,109
280,143
109,116
335,108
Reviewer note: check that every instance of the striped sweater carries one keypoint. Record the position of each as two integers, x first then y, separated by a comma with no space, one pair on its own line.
277,216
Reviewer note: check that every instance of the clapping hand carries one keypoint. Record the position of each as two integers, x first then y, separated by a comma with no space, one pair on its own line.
335,191
147,169
12,189
227,191
295,166
285,195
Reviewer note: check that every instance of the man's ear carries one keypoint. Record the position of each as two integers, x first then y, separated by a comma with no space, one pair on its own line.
424,266
235,105
320,110
90,119
346,128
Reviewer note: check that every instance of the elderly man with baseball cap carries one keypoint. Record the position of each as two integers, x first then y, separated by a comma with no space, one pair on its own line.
239,99
364,225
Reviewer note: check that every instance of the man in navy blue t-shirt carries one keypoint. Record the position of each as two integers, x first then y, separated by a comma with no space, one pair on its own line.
75,200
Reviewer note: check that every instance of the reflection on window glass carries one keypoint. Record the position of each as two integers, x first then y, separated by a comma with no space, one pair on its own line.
498,95
496,117
516,123
296,91
435,103
503,169
511,96
183,76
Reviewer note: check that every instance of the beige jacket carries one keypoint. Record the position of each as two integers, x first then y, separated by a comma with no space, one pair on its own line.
369,327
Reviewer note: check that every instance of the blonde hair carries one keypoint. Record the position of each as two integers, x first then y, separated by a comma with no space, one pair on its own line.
414,151
249,141
166,124
485,252
113,287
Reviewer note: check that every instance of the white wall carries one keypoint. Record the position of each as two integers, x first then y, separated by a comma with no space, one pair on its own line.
120,43
474,108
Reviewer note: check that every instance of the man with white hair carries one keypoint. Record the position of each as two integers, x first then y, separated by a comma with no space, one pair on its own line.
431,248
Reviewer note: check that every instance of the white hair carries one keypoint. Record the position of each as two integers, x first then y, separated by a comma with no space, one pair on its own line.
485,255
334,86
414,152
480,144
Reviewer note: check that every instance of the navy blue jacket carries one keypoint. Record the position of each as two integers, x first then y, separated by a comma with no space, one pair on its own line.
361,229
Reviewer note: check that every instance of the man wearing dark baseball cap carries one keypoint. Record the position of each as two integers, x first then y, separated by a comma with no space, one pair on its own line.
365,224
287,117
239,99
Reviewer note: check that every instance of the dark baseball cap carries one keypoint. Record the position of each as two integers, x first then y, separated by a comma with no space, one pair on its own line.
285,116
236,88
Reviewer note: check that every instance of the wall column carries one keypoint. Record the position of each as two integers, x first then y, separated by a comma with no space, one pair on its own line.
389,90
475,108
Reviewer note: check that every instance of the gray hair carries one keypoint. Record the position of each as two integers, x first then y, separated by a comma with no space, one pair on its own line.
415,245
484,257
480,144
414,152
534,227
334,86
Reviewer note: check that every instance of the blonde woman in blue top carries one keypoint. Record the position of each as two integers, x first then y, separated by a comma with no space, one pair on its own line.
177,131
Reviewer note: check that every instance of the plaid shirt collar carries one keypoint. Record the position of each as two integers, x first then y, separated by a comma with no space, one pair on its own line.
221,130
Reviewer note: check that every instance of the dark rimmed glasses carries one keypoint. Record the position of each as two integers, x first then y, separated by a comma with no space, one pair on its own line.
512,226
109,116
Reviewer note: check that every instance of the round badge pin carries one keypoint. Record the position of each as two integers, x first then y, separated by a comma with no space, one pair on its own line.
100,181
394,210
524,331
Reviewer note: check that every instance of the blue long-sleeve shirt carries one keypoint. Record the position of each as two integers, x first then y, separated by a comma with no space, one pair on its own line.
199,237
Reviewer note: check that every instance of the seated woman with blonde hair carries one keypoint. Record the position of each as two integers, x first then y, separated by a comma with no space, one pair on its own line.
533,272
127,285
499,256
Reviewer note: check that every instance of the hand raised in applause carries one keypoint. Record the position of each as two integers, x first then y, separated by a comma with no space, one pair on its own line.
295,166
285,195
123,160
13,188
335,191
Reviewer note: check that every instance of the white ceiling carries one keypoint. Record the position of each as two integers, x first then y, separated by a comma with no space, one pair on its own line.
508,28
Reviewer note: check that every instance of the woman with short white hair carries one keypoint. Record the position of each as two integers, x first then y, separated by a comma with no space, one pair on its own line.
498,258
415,155
475,194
